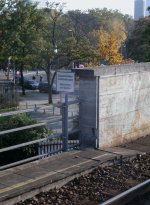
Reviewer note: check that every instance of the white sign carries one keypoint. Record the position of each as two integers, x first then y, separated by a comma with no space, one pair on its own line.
65,82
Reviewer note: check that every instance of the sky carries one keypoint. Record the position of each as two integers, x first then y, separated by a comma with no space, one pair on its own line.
124,6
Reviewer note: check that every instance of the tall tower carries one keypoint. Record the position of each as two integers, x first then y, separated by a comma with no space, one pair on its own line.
147,5
139,9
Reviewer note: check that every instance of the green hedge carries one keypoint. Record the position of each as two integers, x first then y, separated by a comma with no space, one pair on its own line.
6,140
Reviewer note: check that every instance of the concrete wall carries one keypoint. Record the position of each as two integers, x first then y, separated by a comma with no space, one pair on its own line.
114,104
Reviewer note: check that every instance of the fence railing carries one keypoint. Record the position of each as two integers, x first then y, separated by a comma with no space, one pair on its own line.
8,95
46,146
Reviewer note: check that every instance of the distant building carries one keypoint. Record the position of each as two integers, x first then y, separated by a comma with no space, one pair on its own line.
147,5
139,9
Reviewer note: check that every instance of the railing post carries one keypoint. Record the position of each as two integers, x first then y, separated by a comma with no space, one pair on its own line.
26,105
53,109
65,124
35,108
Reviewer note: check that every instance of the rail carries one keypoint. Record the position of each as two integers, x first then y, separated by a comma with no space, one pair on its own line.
126,197
46,146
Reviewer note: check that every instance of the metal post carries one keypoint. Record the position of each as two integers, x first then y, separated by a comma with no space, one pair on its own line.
35,108
53,110
14,72
65,123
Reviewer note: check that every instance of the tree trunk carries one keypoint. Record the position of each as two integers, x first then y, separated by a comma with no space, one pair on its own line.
22,79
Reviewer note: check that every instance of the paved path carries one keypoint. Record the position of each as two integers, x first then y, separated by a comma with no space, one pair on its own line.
27,180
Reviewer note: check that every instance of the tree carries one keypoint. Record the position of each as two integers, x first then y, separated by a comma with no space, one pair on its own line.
60,47
89,23
6,8
148,9
108,47
49,39
21,34
49,42
139,43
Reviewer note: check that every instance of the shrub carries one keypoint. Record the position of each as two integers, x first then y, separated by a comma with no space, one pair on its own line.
6,140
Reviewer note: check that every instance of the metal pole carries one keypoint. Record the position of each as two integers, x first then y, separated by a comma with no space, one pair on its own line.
65,123
14,72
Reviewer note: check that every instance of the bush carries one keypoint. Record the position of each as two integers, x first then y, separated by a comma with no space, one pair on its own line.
6,140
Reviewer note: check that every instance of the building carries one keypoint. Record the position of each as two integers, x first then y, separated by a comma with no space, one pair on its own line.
139,9
147,5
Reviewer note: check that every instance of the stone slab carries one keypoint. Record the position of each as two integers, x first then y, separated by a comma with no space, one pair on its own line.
10,180
31,172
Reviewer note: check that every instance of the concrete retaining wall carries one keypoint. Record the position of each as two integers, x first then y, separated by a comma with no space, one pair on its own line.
114,104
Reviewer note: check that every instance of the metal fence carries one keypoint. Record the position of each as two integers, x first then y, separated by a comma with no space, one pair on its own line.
51,147
8,95
56,143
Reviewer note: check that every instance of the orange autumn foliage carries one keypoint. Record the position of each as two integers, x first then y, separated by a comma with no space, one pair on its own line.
108,48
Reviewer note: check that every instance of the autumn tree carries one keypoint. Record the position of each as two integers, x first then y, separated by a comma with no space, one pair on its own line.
108,47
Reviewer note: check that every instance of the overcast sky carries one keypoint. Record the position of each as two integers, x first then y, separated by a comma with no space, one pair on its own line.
124,6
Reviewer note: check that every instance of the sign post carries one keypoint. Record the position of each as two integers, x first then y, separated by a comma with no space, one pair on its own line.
65,83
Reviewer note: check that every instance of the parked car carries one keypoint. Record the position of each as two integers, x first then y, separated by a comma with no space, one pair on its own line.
18,80
31,84
43,87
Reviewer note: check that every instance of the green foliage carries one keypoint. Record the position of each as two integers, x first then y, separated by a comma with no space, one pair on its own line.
15,121
31,35
148,9
139,43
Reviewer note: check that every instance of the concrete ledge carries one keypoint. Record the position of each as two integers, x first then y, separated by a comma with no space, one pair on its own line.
112,69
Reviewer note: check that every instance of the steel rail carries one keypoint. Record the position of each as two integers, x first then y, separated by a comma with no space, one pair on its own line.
28,159
52,137
59,119
129,195
16,112
21,145
22,128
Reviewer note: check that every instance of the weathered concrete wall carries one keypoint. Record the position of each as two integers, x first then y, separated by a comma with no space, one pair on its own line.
124,108
115,104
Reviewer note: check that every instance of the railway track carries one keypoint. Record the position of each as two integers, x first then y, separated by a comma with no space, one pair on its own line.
122,182
138,195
